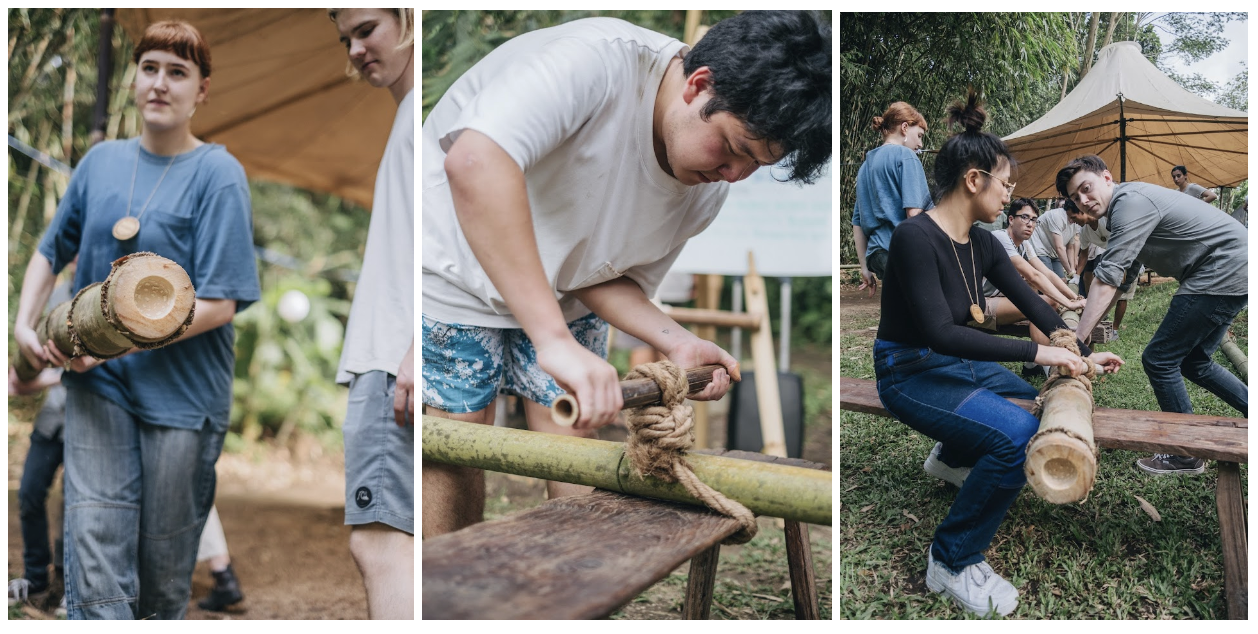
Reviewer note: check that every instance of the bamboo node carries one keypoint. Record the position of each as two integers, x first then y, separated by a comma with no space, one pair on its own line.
660,436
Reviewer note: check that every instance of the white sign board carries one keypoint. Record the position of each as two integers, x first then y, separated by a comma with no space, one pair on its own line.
786,225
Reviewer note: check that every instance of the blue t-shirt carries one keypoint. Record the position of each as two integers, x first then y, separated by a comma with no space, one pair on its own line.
200,217
889,181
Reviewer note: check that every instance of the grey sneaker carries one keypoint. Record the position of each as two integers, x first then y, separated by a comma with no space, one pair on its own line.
936,467
1168,464
978,588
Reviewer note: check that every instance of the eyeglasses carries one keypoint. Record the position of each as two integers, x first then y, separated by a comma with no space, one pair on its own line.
1027,218
1008,186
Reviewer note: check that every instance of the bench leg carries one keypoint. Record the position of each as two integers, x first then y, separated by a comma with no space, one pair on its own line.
699,586
1233,529
803,582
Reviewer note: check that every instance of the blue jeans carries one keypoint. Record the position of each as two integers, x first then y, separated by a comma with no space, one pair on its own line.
37,475
1054,264
1183,347
137,496
961,403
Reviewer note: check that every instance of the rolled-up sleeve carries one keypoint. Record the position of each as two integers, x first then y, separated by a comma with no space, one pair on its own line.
1132,219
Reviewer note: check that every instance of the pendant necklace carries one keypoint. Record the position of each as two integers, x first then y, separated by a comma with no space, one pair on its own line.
127,226
975,311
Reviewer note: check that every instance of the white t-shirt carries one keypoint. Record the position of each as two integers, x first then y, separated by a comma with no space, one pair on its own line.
573,105
382,318
1095,240
1054,221
1012,250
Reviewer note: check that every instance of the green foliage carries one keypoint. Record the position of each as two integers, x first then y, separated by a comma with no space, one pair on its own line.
1235,94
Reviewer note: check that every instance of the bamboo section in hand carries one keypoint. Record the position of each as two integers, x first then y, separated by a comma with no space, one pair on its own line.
636,393
147,301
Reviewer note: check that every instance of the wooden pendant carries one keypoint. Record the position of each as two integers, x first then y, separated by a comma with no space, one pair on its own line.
977,313
126,228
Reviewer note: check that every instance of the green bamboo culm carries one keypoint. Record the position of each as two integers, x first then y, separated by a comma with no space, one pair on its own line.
792,493
98,336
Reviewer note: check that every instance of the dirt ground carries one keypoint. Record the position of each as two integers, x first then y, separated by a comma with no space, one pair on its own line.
283,514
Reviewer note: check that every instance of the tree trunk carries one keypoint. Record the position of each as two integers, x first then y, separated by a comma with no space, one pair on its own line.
1091,47
1109,30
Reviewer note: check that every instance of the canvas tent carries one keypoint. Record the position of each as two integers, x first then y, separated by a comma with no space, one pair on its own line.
280,99
1140,122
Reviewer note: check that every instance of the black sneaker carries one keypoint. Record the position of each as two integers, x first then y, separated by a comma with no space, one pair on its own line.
1168,464
226,591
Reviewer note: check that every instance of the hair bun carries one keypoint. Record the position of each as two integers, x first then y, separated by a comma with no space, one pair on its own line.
969,114
877,123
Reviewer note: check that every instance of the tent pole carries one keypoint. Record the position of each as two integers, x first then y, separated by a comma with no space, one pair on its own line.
1122,141
104,71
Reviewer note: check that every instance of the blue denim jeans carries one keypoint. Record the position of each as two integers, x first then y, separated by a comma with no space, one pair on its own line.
1184,346
137,496
961,403
1054,264
40,469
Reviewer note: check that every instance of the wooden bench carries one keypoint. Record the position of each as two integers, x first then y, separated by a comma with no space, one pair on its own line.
584,557
1213,437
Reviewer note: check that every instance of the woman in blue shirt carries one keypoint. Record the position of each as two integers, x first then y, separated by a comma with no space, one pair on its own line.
890,186
144,430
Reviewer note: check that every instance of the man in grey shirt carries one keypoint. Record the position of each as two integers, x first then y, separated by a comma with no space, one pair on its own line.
1179,174
1179,236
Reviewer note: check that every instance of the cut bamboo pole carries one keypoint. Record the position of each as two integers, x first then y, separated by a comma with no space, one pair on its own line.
147,301
1061,458
792,493
636,393
711,317
1238,358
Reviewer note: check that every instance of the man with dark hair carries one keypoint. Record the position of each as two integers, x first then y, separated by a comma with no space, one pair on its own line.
1174,235
1179,174
562,176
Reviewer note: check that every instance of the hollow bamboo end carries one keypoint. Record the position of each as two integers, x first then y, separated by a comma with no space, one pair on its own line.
564,410
150,296
1060,469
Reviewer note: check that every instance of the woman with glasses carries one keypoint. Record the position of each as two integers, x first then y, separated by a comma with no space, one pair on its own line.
938,374
890,186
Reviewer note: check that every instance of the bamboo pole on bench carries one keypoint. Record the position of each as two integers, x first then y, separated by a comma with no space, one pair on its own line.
788,492
146,301
1061,458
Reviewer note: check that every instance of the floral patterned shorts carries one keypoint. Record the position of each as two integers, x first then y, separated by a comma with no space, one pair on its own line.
465,367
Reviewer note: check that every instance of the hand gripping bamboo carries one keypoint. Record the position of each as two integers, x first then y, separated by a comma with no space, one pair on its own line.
147,301
637,392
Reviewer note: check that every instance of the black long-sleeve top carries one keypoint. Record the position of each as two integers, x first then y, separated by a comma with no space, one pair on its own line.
924,299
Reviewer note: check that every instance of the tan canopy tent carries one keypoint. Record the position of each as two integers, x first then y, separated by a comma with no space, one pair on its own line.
1140,122
280,100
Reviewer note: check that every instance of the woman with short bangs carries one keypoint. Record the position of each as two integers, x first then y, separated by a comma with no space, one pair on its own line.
939,374
144,430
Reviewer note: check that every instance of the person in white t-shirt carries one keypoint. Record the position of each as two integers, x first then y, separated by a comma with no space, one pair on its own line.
378,357
1023,217
1179,174
562,176
1054,234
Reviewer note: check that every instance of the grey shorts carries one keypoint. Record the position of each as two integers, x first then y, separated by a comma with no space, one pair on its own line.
379,456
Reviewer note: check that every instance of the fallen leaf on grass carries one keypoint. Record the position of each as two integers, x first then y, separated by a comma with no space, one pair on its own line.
1148,508
910,516
866,508
867,469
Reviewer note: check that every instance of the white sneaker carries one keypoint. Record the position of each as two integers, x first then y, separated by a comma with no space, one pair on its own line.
978,588
61,609
19,591
936,467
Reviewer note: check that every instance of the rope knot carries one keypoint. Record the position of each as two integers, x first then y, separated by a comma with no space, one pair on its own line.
660,436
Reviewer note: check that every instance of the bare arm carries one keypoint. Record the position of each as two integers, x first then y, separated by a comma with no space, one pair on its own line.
1060,248
1039,281
622,304
912,211
1209,196
1100,295
1052,279
491,203
37,286
868,280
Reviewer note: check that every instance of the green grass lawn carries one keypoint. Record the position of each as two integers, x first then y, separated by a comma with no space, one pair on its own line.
1104,558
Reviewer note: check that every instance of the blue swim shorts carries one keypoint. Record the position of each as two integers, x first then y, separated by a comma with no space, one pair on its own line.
464,368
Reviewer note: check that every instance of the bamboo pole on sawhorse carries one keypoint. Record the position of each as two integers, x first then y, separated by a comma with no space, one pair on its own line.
635,392
792,493
1061,457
